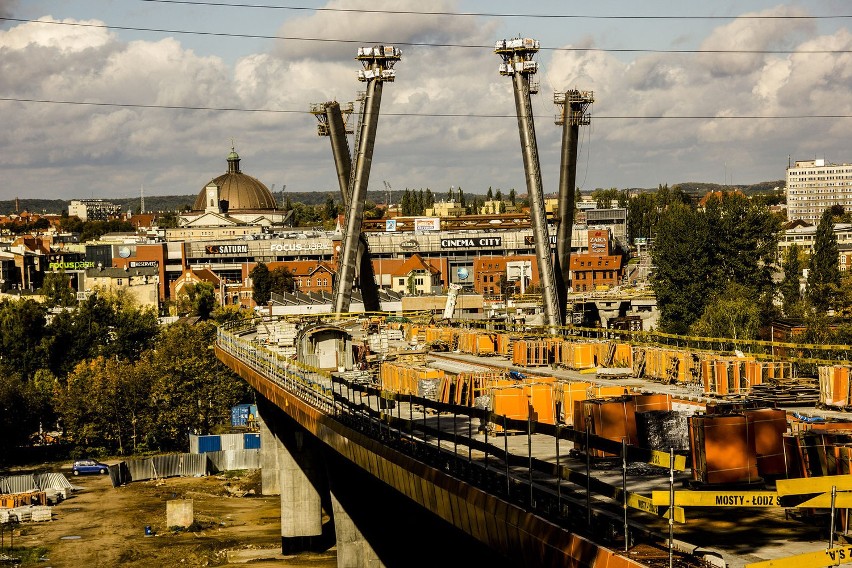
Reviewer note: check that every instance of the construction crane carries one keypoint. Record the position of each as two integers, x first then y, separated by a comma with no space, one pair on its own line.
517,55
377,69
388,189
573,105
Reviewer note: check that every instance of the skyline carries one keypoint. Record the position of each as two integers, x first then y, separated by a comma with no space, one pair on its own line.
132,90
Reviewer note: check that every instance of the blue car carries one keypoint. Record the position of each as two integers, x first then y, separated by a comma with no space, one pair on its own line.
82,467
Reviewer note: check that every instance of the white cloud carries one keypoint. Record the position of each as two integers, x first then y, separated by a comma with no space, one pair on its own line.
73,150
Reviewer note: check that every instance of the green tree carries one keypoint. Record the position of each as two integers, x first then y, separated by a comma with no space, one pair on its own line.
642,215
684,261
56,288
745,238
330,208
405,203
22,329
513,196
168,220
90,406
281,280
733,312
824,270
489,195
202,298
189,394
261,284
791,294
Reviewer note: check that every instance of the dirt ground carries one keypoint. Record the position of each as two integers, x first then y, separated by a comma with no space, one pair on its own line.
99,525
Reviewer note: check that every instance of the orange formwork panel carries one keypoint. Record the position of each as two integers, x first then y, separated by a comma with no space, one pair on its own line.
723,450
834,386
758,372
583,356
543,397
503,342
623,356
613,418
604,391
515,399
567,394
646,402
769,426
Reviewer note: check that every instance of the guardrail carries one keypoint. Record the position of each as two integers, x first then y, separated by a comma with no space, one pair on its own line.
442,435
311,385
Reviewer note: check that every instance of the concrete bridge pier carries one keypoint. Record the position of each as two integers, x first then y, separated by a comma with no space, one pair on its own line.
292,468
353,549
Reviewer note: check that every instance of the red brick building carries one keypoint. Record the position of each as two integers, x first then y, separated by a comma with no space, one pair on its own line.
488,270
599,268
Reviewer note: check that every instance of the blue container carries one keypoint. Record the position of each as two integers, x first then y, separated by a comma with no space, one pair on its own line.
251,441
211,443
241,414
148,530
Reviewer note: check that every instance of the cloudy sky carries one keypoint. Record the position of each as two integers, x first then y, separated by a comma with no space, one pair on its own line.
101,98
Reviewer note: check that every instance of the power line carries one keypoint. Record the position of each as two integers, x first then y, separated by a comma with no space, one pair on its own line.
426,114
426,44
496,14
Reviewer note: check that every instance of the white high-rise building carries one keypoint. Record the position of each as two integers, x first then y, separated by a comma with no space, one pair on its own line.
815,185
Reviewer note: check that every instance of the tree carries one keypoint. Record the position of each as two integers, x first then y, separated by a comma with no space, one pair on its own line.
281,280
57,291
745,238
260,283
405,203
191,391
512,196
498,195
791,294
733,312
202,299
330,208
168,220
684,258
489,195
824,272
22,329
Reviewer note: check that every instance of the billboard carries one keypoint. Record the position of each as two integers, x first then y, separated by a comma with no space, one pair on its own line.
516,269
390,225
427,224
475,242
226,249
599,242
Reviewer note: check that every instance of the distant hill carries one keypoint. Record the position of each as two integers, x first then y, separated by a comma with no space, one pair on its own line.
699,189
162,203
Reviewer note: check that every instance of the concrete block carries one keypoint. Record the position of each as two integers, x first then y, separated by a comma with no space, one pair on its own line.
179,513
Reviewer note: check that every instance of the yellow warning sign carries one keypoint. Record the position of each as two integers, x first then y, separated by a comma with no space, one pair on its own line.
828,557
733,499
643,503
806,485
740,499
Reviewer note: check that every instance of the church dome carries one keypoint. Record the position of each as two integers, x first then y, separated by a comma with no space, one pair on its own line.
242,192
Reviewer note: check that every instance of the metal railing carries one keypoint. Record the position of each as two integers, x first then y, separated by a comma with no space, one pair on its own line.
442,435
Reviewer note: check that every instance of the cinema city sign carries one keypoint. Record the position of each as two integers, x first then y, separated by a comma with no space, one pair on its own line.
475,242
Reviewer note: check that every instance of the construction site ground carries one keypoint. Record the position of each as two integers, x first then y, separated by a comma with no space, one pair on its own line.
104,526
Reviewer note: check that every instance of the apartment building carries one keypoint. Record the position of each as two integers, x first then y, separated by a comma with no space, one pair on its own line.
815,185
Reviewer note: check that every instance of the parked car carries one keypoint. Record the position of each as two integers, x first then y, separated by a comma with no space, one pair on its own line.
82,467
